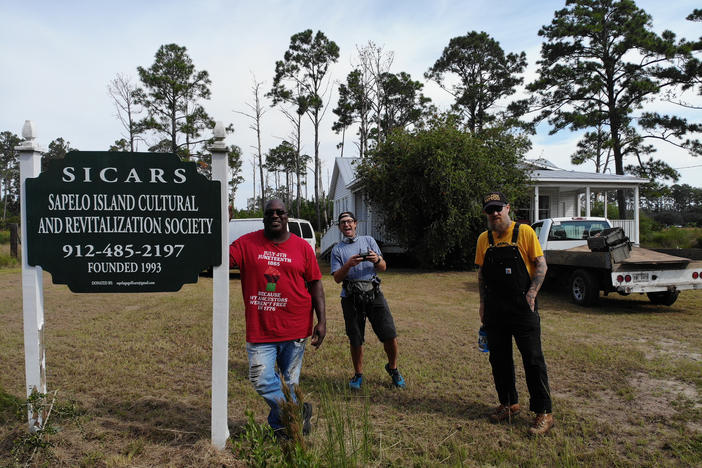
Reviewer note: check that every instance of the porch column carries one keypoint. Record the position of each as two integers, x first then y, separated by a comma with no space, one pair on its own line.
605,204
587,201
636,215
536,203
577,205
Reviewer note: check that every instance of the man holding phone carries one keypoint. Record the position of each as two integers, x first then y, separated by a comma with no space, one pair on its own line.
355,260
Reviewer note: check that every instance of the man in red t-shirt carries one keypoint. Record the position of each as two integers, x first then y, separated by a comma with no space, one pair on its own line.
281,285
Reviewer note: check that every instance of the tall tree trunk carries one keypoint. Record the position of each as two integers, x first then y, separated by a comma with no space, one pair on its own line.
4,204
287,187
615,129
131,126
298,169
619,169
343,139
260,163
317,167
253,164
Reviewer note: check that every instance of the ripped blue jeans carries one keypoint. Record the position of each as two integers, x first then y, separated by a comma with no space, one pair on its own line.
263,374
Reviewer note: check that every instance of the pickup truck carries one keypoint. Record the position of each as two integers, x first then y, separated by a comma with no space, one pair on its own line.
624,270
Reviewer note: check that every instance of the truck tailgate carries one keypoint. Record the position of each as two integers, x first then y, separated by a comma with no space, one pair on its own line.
650,260
646,277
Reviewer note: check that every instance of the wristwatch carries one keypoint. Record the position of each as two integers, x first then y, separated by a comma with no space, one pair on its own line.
379,258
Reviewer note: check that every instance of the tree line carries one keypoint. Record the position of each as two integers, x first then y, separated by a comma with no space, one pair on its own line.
602,72
678,205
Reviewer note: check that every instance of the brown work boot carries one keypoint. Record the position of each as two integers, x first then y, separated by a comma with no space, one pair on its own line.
543,422
503,412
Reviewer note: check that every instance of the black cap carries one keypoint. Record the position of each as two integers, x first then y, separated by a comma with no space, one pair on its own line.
494,199
346,213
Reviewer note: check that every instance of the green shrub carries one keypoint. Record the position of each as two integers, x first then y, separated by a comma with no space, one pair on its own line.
597,209
6,261
5,223
11,408
256,445
673,238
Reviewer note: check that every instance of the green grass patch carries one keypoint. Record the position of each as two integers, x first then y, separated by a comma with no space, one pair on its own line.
673,238
11,408
7,261
135,386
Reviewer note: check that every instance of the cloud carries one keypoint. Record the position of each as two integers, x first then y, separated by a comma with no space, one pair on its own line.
58,57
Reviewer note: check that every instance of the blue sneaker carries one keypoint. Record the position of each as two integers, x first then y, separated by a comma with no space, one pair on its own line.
397,379
356,382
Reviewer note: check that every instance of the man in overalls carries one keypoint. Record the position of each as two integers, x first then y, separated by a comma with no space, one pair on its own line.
512,270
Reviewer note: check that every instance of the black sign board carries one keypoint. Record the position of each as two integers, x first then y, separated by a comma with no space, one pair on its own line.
123,222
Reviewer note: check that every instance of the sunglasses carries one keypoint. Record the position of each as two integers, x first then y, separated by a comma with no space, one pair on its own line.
346,221
493,209
272,212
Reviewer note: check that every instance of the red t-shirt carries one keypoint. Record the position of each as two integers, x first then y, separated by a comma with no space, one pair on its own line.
273,276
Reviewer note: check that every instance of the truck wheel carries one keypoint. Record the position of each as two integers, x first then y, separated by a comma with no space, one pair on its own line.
663,297
583,288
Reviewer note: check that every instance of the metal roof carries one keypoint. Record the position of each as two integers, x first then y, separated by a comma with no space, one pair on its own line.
343,169
542,172
562,175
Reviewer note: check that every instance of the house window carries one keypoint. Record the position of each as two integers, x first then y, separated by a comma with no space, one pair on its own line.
523,216
544,206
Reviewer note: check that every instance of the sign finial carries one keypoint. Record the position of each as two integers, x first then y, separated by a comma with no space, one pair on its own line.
219,130
219,133
29,133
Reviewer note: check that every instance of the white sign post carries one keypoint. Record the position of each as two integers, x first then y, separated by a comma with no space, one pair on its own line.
33,296
32,289
220,301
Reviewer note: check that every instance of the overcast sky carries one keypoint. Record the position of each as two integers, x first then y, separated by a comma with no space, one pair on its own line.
57,58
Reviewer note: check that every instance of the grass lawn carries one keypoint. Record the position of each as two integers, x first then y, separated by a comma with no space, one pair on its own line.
132,376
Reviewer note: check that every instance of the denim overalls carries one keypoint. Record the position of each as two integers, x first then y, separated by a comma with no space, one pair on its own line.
507,314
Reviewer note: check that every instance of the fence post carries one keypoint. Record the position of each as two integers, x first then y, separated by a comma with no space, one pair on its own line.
220,301
32,289
14,240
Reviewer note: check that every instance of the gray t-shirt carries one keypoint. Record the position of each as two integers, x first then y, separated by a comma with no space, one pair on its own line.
346,249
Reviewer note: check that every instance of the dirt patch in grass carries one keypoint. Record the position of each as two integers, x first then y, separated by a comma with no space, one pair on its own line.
656,394
668,348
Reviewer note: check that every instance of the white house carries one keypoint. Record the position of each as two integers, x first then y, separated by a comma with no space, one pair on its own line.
555,192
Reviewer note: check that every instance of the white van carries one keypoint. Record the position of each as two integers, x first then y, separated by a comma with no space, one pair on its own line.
300,227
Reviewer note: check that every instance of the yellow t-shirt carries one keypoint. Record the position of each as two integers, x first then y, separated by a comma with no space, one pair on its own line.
527,243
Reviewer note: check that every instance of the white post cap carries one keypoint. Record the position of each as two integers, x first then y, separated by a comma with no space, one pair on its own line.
219,130
29,133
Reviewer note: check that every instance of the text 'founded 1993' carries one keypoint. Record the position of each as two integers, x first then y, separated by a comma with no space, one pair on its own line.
123,222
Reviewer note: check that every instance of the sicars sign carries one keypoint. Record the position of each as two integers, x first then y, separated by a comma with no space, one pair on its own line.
123,222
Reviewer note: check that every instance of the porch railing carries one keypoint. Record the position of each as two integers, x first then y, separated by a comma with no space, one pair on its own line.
629,226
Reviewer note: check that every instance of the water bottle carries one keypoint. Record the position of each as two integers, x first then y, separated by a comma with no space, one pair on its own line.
482,340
